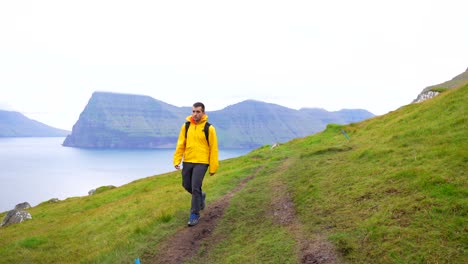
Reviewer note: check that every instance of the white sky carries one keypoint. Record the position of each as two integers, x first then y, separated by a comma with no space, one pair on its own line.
335,54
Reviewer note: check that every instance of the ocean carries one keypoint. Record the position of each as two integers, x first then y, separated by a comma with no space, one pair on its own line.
35,170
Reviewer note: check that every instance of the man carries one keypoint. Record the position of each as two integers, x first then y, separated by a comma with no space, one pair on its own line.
198,147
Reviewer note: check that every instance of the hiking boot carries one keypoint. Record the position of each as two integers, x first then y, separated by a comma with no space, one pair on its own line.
194,218
203,204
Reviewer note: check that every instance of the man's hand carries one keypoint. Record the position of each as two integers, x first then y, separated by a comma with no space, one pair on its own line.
177,167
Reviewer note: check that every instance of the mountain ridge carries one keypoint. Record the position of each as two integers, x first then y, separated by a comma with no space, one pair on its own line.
118,120
15,124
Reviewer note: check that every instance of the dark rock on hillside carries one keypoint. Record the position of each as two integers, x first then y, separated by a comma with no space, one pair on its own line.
113,120
22,206
17,215
435,90
15,124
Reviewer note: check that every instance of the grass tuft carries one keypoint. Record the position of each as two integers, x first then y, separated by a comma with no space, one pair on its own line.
32,242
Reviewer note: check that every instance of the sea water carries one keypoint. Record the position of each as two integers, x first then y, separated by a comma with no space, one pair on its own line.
35,170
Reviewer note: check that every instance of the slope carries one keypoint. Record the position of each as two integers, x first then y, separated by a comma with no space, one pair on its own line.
394,193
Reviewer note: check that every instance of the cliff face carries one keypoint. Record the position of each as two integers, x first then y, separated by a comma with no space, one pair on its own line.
134,121
15,124
435,90
112,120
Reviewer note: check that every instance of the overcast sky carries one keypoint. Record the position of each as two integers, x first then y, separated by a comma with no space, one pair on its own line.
374,55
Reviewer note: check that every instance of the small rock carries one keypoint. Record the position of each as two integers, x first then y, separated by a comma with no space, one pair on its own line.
54,200
22,206
275,145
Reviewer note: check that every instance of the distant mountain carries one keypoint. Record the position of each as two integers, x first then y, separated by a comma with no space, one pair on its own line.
15,124
343,116
252,123
112,120
434,90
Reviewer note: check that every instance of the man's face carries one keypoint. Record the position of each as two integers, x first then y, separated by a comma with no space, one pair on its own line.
197,113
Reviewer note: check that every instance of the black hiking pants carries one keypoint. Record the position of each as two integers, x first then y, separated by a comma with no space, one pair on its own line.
192,180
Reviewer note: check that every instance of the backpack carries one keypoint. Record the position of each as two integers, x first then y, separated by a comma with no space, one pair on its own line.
205,129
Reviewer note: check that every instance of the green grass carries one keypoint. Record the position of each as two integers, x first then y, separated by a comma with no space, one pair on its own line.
399,194
439,90
395,192
249,232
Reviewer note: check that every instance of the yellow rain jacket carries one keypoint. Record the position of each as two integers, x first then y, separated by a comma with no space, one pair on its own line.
195,148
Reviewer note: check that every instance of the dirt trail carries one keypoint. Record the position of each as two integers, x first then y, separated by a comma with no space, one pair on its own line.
186,243
316,251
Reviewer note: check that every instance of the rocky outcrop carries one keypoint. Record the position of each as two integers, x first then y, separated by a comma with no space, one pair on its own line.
434,90
425,96
17,215
53,200
22,206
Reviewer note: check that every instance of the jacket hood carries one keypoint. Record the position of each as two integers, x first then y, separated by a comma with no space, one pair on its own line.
203,120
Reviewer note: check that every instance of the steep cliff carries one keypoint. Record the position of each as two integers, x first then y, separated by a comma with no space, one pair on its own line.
112,120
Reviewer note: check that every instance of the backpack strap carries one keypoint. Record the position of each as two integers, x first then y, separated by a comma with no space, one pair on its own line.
206,129
187,124
207,132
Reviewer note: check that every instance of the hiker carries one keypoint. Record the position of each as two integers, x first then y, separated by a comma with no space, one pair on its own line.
197,145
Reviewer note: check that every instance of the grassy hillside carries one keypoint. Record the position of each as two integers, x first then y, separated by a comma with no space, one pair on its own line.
395,192
455,82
